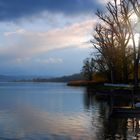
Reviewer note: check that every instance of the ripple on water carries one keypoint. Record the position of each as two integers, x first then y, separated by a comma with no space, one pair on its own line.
49,112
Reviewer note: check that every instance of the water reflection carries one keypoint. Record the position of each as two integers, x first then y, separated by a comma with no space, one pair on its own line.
44,111
99,110
56,112
123,126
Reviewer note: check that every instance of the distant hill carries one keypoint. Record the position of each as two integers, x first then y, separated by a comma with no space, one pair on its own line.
61,79
56,79
6,78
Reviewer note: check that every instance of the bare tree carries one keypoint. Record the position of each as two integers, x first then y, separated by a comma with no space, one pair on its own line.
88,68
136,9
112,36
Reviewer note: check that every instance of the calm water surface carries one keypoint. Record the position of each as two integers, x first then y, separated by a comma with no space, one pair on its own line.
54,111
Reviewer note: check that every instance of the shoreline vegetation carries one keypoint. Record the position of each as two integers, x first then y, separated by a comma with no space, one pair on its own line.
78,79
100,85
104,88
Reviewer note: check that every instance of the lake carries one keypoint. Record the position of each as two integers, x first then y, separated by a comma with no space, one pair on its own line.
55,111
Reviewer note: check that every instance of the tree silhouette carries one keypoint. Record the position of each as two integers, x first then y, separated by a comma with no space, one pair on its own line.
112,37
136,9
88,68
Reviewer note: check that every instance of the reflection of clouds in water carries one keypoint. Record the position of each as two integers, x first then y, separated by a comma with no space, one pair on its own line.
28,120
48,111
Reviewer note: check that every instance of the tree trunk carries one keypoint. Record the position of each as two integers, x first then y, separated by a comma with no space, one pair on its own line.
125,71
136,75
136,67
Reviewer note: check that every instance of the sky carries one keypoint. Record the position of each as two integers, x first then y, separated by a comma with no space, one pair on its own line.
46,37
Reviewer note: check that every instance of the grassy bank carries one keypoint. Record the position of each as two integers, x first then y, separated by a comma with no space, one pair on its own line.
96,85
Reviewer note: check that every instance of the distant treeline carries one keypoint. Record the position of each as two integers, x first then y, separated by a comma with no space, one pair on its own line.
56,79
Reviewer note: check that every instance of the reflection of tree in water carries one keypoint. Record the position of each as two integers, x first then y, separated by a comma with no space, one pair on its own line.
111,127
88,98
133,125
92,102
98,113
123,128
115,128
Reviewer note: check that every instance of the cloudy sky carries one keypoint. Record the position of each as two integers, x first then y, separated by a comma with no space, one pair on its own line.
45,37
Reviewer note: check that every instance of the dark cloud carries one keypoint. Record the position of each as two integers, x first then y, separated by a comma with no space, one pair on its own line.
15,9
